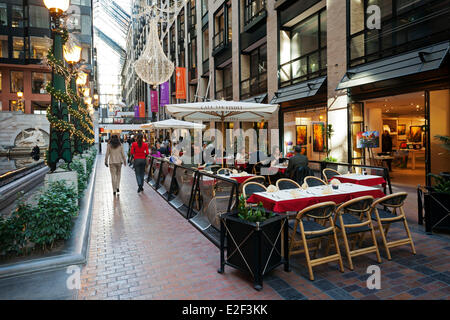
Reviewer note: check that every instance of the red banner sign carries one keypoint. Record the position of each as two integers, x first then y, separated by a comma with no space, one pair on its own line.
154,100
180,83
141,109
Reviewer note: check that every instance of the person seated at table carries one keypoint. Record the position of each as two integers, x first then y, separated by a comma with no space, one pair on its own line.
175,157
241,156
194,160
155,153
295,162
275,156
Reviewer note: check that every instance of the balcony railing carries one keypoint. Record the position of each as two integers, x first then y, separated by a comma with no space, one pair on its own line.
415,28
226,93
253,86
219,40
253,9
303,68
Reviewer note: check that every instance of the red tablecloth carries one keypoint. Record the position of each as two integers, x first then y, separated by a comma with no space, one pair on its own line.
238,179
301,203
366,182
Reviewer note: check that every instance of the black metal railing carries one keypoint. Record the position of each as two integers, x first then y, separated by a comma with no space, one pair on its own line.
219,40
420,26
253,9
253,86
226,93
303,68
198,196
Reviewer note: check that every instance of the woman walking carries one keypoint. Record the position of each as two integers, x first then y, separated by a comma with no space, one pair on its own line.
115,157
139,151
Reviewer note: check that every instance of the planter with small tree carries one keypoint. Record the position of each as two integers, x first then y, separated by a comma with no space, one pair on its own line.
437,197
328,161
254,238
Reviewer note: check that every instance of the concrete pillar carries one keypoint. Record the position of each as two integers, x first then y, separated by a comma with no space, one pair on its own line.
272,65
235,27
337,66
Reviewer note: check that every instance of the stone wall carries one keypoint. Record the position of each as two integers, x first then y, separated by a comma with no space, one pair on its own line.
12,124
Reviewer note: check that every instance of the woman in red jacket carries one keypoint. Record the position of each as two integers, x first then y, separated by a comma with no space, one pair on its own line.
139,150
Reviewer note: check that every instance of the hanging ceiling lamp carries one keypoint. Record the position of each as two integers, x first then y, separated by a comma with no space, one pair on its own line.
153,67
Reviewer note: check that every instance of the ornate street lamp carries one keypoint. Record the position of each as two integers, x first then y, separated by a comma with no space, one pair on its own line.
57,7
81,78
59,145
72,54
20,106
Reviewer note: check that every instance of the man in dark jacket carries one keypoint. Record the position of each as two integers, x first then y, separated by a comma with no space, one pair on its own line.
295,162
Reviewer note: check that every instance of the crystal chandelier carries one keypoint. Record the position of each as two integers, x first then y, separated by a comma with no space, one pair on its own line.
153,66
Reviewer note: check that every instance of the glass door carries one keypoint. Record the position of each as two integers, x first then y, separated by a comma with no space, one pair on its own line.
356,124
437,125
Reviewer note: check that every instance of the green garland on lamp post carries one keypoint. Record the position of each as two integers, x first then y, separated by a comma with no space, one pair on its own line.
60,145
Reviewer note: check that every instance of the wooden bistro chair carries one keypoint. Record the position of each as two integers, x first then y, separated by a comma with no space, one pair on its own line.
385,218
329,173
258,179
304,231
351,225
250,188
312,181
284,183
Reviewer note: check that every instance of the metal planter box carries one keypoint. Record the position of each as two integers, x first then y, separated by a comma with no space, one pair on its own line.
254,248
437,211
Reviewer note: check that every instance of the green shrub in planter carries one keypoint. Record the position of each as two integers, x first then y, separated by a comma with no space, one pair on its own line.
13,230
53,217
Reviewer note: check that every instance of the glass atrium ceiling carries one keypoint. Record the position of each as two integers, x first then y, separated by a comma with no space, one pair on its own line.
111,19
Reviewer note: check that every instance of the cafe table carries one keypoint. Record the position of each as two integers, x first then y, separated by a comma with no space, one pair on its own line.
361,179
239,178
283,201
281,168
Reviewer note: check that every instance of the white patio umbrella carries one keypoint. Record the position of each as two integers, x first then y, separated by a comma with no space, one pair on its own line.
173,124
223,111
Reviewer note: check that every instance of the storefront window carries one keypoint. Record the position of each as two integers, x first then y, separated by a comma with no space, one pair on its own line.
3,46
205,44
38,47
405,25
253,9
219,27
38,17
85,25
204,7
18,48
229,21
16,81
3,15
86,54
255,81
17,17
357,125
224,83
306,128
303,50
39,81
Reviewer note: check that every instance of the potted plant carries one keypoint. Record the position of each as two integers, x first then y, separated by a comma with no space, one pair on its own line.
253,237
437,197
328,159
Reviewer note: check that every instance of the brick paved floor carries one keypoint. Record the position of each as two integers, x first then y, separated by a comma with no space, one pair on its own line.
141,248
